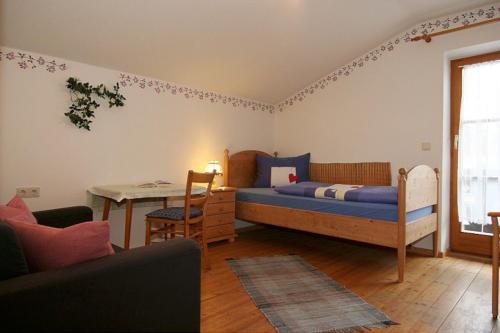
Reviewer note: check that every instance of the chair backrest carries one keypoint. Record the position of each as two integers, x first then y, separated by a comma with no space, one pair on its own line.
197,201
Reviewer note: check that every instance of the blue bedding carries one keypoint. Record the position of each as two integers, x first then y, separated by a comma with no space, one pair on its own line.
376,211
373,194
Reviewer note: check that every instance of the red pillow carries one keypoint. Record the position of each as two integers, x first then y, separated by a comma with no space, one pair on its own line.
47,248
16,209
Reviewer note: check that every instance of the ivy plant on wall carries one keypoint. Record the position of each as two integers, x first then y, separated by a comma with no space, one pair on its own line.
83,105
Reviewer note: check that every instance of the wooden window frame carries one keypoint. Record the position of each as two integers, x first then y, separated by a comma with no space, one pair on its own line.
466,242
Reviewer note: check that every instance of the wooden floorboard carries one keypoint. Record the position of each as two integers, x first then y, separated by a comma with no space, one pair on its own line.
438,295
474,306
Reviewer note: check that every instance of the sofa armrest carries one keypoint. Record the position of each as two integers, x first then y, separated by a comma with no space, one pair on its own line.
64,217
153,288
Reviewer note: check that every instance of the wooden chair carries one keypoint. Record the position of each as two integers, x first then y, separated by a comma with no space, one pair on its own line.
187,221
494,263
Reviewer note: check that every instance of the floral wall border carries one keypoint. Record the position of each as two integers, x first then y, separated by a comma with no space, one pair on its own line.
27,61
445,23
158,86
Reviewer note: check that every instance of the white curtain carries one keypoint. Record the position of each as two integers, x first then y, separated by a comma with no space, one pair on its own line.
479,144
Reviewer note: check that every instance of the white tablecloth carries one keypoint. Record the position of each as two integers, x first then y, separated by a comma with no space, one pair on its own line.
129,191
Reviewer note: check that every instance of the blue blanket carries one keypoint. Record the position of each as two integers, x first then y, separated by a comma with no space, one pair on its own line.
358,193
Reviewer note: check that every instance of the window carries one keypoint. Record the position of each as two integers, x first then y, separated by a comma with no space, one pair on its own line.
475,188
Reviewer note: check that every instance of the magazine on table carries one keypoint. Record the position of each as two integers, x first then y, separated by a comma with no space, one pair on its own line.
154,184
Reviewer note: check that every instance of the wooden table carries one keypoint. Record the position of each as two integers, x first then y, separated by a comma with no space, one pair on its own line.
130,192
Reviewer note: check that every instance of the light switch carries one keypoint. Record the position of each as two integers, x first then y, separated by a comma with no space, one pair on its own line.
426,146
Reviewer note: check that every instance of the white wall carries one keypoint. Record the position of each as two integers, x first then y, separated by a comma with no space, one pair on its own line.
383,111
155,136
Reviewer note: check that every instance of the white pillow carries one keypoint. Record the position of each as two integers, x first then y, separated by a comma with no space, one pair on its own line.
283,176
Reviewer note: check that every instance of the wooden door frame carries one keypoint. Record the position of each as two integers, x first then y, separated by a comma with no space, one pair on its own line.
472,243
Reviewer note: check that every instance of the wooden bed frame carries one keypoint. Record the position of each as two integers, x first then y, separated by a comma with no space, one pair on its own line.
418,188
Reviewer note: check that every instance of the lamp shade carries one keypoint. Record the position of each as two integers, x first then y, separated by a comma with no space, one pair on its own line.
213,166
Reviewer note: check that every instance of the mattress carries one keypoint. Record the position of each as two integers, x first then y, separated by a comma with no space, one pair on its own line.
375,211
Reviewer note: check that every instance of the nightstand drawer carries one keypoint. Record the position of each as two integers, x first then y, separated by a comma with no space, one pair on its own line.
222,197
220,231
220,208
219,219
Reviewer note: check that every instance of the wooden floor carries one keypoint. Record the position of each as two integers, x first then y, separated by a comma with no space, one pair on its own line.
438,295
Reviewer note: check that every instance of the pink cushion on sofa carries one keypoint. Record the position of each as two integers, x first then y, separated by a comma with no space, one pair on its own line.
18,210
46,247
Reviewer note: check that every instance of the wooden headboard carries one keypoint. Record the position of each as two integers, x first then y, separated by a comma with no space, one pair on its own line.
240,170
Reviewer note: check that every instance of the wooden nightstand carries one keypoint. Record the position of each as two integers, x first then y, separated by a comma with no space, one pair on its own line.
221,214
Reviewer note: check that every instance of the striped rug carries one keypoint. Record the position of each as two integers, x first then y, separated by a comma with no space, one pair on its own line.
297,297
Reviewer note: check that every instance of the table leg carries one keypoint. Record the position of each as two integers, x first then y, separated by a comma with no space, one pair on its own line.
128,223
105,211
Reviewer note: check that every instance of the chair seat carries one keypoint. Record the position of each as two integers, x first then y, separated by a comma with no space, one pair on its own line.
175,213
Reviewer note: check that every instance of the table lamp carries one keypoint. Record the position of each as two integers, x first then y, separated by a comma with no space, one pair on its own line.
215,167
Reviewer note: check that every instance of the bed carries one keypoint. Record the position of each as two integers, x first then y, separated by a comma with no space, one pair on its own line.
415,216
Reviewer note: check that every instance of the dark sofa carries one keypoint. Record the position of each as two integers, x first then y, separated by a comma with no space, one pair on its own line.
154,288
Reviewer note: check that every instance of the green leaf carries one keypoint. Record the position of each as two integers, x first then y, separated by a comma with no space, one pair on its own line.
82,108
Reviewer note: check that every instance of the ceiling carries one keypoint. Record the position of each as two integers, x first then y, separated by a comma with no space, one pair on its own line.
262,50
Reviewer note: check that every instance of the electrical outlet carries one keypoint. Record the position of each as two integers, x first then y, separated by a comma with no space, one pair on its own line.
28,192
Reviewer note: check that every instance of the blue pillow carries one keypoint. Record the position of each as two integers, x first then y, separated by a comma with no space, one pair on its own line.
265,163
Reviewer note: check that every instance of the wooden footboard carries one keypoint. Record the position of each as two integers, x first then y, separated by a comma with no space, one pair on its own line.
417,189
418,229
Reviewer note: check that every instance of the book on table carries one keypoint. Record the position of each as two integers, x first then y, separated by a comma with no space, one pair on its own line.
154,184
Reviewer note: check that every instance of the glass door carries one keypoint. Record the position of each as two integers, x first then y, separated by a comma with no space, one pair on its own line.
475,172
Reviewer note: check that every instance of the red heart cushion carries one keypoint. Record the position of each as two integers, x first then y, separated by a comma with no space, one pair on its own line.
292,178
